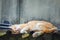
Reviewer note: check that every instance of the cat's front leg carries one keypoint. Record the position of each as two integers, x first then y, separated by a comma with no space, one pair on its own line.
24,30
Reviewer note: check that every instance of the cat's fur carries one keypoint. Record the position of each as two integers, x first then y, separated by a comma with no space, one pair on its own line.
39,27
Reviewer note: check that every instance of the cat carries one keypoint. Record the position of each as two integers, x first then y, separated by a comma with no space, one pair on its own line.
39,27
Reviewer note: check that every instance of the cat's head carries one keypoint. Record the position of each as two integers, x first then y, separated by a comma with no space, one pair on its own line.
16,28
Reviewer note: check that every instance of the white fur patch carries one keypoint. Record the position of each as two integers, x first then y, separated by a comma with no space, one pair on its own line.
17,26
36,34
24,30
38,27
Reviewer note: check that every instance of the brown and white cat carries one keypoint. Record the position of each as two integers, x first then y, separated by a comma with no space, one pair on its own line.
39,27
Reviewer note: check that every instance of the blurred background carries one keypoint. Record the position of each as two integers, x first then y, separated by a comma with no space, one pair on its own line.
20,11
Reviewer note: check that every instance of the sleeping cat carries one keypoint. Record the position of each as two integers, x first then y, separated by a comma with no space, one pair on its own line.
39,27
